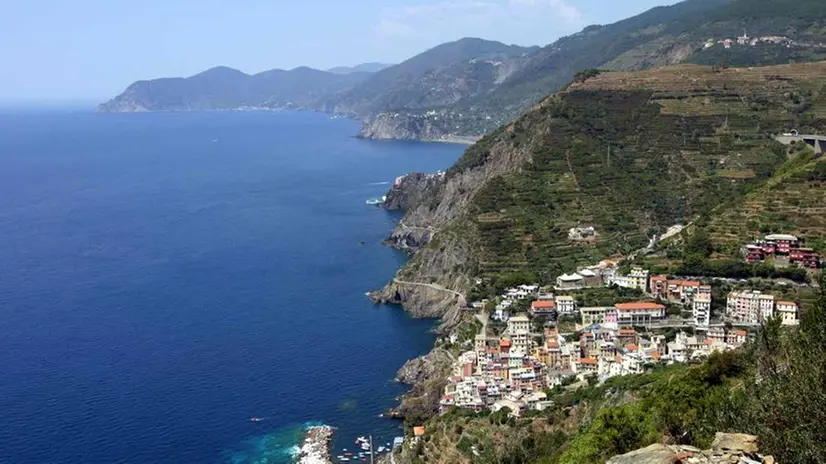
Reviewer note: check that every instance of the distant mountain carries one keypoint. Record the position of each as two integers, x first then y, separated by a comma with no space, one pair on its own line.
364,67
227,88
443,75
468,87
688,32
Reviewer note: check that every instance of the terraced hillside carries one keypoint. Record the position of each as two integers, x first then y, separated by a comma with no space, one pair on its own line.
627,153
794,201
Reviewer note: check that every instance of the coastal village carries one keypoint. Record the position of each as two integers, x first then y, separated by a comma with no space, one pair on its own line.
556,341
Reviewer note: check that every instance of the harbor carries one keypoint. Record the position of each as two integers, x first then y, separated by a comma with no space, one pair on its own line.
365,450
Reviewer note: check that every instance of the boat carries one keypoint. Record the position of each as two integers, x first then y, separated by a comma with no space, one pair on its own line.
256,419
376,201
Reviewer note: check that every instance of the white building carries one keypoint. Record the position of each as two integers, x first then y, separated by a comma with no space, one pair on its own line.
701,309
518,330
569,281
787,310
565,304
593,314
750,306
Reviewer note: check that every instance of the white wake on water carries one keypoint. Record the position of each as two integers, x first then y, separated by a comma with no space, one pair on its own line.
379,183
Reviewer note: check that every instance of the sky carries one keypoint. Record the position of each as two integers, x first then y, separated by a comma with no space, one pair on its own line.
92,49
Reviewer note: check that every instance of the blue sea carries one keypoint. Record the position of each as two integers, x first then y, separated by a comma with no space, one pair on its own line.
166,277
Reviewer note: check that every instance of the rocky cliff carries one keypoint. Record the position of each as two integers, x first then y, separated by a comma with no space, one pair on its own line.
413,126
726,448
427,376
409,190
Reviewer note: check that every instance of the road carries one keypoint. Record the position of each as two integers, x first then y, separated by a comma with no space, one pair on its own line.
433,286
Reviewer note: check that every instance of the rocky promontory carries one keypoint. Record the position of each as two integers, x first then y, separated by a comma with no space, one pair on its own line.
412,126
316,446
408,190
427,376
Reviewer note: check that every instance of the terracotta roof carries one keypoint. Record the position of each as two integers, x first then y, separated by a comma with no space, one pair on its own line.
588,360
655,355
740,332
618,359
659,277
627,331
418,430
787,303
691,283
504,343
553,345
638,305
631,347
707,342
547,304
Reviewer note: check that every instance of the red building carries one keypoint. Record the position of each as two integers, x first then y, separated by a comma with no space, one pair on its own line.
805,257
543,308
755,253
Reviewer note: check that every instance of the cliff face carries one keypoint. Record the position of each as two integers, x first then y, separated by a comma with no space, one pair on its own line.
409,190
413,126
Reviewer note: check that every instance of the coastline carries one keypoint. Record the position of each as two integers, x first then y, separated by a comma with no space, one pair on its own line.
315,449
452,139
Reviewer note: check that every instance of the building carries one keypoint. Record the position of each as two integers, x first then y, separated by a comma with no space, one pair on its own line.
565,304
572,281
544,308
682,291
750,306
637,278
701,306
593,315
639,313
518,330
587,366
518,323
659,287
590,278
736,337
805,257
783,242
787,310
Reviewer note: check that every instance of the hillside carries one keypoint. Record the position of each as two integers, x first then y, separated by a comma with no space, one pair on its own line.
441,76
364,67
226,88
627,153
659,37
792,202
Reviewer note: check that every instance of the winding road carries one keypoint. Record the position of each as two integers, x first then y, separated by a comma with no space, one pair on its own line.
462,299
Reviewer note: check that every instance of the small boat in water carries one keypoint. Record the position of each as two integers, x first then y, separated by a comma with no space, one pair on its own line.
376,201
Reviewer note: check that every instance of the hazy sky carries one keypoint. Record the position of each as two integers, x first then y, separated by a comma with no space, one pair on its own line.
92,49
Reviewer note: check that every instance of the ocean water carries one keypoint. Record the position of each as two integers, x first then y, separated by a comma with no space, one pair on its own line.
165,277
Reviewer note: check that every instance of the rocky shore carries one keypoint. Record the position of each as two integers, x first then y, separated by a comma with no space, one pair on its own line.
316,446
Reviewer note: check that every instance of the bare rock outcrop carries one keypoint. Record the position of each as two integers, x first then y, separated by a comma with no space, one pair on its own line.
727,448
427,376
